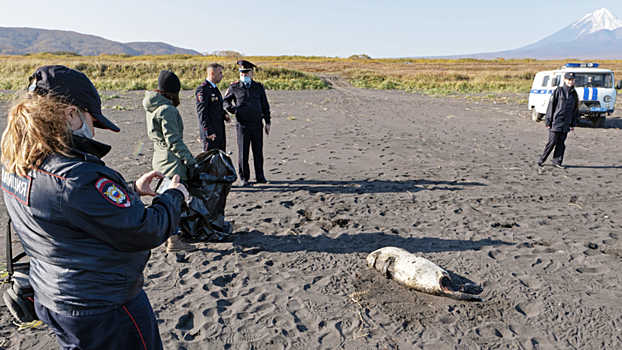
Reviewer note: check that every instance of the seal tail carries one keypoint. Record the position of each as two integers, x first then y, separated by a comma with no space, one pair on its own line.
455,291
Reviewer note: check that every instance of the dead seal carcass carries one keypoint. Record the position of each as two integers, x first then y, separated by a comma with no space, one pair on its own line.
419,274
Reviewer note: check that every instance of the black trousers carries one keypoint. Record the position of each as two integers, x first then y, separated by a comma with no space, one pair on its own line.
556,140
220,143
250,135
130,326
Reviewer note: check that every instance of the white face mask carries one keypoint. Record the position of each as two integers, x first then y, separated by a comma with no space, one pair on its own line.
84,131
245,80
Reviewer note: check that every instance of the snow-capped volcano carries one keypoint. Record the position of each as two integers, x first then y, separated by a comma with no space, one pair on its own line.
597,35
599,20
602,19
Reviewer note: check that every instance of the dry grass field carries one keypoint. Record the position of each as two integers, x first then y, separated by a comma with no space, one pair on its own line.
497,79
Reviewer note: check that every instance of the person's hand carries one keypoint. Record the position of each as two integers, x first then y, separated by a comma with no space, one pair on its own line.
142,184
267,128
572,128
548,127
212,137
228,118
179,186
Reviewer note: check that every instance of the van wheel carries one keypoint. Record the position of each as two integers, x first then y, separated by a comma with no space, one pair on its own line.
599,121
535,116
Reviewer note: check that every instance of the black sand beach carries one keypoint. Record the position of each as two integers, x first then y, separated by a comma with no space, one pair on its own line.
355,170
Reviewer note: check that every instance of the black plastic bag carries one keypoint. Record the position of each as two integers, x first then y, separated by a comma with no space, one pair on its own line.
209,183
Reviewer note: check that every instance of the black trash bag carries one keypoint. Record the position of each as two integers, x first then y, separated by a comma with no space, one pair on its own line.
209,183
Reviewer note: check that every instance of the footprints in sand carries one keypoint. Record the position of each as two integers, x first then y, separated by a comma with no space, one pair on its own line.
469,199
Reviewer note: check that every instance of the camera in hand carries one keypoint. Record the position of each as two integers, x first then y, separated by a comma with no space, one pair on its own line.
163,185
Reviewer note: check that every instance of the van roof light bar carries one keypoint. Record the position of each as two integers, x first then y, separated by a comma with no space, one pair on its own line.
582,65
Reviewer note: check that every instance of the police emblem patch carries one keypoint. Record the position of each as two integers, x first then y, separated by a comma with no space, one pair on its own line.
200,97
113,193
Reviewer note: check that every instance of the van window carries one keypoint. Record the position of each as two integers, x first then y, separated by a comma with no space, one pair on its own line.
594,80
545,82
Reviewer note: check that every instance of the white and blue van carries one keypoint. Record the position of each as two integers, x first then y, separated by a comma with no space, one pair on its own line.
595,86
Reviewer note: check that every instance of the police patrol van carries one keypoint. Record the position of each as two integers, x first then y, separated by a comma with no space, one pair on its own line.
595,86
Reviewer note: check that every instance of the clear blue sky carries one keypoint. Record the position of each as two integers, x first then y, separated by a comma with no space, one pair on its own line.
390,28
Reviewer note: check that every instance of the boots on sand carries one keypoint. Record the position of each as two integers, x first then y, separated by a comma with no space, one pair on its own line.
176,245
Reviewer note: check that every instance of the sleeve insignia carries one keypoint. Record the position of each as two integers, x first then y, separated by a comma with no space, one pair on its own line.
200,97
17,186
113,192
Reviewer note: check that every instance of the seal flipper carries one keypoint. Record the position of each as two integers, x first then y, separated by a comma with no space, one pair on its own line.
455,291
372,258
386,272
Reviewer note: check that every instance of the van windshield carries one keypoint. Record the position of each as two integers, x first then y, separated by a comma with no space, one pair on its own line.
593,80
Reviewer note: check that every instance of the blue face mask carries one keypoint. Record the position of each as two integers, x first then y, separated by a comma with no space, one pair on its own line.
245,80
84,131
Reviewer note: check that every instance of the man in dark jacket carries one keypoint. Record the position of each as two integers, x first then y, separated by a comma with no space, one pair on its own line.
562,116
210,110
247,100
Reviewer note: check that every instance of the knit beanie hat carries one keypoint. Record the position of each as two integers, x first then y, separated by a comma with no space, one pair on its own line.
168,82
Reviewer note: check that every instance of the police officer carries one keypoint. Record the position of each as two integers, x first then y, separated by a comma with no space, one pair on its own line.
210,110
247,100
562,116
86,230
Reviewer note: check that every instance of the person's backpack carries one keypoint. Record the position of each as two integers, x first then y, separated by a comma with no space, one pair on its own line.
19,298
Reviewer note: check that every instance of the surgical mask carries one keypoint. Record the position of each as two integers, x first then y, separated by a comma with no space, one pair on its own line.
84,131
245,80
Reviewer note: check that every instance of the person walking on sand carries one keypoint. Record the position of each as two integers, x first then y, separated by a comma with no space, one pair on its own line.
562,116
165,128
86,230
210,110
246,99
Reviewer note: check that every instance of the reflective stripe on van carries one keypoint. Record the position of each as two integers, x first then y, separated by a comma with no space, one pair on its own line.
541,91
586,94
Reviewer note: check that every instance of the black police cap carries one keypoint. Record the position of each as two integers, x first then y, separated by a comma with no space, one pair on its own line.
569,75
245,66
72,86
169,82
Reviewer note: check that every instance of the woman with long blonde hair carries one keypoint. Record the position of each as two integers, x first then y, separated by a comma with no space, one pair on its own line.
85,228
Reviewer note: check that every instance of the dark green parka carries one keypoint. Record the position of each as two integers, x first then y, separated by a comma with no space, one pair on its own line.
165,128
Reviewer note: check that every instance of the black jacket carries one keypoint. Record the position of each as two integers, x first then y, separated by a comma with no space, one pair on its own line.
563,110
87,232
210,111
250,105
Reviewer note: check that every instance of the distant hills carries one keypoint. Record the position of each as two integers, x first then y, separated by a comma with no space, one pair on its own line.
19,41
598,35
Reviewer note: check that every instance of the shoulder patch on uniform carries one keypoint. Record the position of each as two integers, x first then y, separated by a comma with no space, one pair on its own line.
202,84
17,186
113,192
258,83
200,97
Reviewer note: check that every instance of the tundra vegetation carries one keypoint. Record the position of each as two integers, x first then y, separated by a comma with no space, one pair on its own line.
473,78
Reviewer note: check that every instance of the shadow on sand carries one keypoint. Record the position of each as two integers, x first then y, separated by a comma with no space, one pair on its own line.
610,123
255,241
360,187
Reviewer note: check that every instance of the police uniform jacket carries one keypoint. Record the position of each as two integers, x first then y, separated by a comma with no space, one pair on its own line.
210,110
563,110
86,231
165,128
249,105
